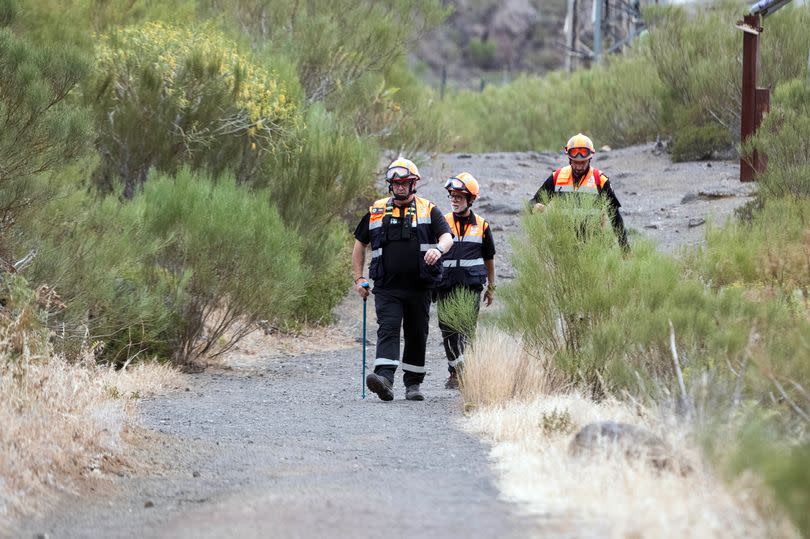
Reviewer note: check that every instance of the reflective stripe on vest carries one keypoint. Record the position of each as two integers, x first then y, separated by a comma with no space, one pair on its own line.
466,252
564,181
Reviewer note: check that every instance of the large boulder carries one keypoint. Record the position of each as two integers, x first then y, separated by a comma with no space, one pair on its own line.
633,442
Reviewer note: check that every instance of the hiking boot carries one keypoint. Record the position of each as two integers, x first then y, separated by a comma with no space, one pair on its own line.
452,381
381,386
413,393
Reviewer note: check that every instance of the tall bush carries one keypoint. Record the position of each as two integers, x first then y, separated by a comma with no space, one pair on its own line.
235,257
182,270
605,316
40,127
313,186
198,100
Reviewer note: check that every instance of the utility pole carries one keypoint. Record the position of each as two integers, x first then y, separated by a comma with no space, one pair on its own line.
615,24
597,31
755,101
751,30
571,36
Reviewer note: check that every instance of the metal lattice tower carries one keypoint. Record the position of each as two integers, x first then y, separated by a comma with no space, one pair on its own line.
594,28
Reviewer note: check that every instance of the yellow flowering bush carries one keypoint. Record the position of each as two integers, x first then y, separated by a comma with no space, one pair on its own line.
173,95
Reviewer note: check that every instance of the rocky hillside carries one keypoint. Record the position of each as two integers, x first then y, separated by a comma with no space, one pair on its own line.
483,38
493,40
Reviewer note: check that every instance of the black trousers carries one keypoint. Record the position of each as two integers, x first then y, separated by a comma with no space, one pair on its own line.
408,310
452,340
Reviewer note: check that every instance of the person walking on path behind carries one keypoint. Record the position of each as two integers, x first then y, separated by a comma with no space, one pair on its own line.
579,177
408,236
468,266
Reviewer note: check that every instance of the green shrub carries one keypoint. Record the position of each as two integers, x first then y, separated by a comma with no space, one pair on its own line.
784,467
618,104
182,270
313,188
230,250
457,310
605,316
40,126
771,250
200,102
697,141
483,53
335,42
784,138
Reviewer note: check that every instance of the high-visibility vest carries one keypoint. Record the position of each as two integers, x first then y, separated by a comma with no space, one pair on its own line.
464,262
591,183
381,213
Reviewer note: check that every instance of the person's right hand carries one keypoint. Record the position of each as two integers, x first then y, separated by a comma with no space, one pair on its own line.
538,208
362,291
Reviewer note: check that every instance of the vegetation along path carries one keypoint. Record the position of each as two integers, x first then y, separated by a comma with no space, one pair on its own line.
279,443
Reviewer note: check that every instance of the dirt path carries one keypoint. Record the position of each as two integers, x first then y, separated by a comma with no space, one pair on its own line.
281,445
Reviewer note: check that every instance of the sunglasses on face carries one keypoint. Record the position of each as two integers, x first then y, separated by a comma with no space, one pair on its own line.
401,173
579,152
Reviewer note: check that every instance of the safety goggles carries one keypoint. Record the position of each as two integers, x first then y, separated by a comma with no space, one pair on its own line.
581,153
400,174
454,184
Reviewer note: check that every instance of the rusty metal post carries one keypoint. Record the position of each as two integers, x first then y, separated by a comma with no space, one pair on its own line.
751,30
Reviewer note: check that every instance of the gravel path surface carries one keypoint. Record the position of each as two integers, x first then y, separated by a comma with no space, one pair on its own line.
288,449
284,447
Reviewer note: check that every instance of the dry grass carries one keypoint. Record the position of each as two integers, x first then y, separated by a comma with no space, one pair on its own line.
497,369
606,495
62,422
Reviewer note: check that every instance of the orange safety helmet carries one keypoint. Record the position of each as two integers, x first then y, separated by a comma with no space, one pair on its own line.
402,169
465,183
579,148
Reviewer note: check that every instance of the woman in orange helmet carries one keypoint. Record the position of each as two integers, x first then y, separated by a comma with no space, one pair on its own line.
468,265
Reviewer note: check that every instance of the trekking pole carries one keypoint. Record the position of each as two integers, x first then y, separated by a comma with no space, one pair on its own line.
363,381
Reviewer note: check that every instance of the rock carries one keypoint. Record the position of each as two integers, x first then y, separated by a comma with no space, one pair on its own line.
715,193
634,442
689,197
503,209
696,221
148,503
652,226
195,473
464,156
605,148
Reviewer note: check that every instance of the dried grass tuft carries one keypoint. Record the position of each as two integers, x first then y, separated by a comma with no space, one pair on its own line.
62,421
520,406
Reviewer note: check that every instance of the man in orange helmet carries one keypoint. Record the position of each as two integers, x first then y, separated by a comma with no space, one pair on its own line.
408,236
579,177
469,265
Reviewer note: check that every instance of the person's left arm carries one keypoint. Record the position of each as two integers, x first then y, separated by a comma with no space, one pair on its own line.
615,214
488,253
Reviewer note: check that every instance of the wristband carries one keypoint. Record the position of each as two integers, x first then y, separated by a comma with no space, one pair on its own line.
361,277
439,248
